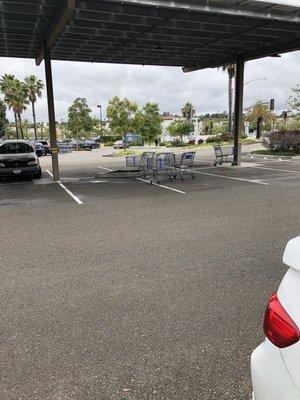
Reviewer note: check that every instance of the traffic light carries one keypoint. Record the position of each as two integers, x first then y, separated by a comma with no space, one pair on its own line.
272,104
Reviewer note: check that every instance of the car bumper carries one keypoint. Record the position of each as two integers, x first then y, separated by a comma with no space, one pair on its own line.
270,377
6,172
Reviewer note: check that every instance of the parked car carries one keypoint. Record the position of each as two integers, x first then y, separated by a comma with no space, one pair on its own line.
17,157
120,144
93,144
38,148
275,363
46,145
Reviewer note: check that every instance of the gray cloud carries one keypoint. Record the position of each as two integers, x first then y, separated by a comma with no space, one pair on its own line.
169,87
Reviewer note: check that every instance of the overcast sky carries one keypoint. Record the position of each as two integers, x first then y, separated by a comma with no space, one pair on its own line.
169,87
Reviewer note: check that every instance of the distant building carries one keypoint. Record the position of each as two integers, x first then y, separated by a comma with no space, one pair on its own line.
169,118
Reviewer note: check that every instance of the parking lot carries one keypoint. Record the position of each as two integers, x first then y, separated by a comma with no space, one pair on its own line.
118,289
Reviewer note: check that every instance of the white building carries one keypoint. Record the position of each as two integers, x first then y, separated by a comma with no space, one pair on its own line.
168,119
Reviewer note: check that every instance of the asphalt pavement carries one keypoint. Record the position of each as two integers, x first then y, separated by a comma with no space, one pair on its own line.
140,292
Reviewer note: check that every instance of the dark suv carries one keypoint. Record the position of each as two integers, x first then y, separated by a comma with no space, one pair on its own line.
17,158
46,145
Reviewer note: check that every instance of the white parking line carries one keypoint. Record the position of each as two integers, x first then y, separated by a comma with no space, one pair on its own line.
256,181
161,186
78,201
200,168
277,169
50,173
153,183
106,169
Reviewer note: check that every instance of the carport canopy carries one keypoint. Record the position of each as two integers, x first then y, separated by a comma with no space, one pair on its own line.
192,34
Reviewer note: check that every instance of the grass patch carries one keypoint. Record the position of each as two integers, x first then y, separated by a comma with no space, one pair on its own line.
288,153
123,153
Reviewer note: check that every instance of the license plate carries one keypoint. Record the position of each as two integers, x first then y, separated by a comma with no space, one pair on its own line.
17,171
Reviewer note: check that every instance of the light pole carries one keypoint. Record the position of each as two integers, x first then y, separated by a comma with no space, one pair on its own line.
100,107
254,80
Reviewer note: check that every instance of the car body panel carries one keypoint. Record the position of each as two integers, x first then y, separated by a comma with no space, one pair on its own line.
289,295
271,380
276,372
291,256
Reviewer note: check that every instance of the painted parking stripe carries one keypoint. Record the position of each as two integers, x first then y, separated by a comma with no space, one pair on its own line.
105,169
255,181
78,201
153,183
277,169
161,186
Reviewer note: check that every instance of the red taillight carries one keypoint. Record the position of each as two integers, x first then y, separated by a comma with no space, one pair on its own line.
279,327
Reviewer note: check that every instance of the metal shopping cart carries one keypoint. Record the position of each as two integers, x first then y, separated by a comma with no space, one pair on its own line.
183,163
137,166
141,164
163,167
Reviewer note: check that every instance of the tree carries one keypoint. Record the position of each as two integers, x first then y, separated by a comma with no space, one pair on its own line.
15,96
188,112
294,100
34,88
260,113
122,116
231,71
180,128
3,120
80,123
148,122
5,87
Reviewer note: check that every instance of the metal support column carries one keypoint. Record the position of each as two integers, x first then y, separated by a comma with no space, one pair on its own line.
51,112
238,110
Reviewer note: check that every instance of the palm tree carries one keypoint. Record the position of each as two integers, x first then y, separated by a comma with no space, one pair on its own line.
6,83
260,113
231,71
34,87
16,98
188,112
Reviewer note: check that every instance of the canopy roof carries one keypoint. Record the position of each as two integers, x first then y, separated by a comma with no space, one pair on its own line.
190,33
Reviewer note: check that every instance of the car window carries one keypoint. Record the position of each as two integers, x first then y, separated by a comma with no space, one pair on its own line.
15,148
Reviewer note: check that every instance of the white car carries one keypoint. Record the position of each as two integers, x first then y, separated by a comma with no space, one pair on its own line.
120,144
275,364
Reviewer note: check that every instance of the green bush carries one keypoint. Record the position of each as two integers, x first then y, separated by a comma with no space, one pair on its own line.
135,144
177,143
225,137
214,139
283,141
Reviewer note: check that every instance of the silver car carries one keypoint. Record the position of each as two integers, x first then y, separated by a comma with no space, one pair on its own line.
120,144
18,158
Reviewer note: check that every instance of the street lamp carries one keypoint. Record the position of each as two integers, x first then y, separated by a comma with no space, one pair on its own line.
254,80
100,107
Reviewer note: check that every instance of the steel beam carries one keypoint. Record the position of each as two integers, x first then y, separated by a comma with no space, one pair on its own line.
229,7
238,110
51,112
63,15
263,51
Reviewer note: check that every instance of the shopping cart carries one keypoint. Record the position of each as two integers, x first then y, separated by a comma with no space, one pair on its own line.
141,164
137,166
223,155
163,167
183,163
